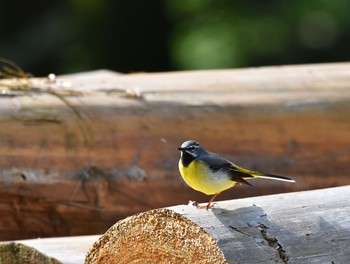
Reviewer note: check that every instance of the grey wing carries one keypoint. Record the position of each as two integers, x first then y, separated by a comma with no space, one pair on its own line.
217,163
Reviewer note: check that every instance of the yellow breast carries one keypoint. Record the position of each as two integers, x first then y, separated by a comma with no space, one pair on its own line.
199,177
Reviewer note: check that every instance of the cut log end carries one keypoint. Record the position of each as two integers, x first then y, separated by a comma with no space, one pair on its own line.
155,236
14,253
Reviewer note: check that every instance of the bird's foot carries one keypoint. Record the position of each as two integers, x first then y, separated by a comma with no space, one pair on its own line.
196,204
204,207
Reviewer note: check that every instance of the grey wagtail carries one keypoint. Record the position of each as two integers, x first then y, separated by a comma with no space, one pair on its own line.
211,174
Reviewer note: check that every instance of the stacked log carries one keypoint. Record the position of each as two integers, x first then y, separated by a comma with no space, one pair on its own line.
79,152
303,227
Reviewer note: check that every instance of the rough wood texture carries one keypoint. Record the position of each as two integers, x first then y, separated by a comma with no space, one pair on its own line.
292,120
158,236
304,227
68,250
15,253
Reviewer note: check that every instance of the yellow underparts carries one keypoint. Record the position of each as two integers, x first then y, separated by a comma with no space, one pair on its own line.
198,176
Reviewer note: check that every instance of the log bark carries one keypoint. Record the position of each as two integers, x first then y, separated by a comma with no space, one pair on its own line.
303,227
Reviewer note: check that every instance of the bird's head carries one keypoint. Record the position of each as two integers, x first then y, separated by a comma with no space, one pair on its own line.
191,148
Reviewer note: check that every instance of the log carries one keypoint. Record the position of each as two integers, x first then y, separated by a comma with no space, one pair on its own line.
63,175
16,253
65,250
302,227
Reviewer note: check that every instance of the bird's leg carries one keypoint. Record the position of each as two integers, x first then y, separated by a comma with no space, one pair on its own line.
209,205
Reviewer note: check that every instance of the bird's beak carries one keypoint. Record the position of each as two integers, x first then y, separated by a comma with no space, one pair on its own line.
181,149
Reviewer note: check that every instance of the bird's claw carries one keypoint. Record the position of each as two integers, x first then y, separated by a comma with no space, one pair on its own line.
196,204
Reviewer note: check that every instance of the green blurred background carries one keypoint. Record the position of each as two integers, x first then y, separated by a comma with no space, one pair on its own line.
135,35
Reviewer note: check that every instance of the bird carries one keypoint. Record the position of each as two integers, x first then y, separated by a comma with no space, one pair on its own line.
210,173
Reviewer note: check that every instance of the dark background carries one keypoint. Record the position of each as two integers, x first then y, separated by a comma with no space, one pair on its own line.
134,35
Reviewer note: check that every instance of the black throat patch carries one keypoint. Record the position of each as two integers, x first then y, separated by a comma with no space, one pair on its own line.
186,159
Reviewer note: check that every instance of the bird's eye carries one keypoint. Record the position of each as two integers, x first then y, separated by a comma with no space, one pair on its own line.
191,148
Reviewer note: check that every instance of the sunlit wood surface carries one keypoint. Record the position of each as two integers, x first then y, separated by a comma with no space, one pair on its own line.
68,174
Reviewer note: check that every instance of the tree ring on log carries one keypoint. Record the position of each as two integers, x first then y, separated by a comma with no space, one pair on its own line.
160,235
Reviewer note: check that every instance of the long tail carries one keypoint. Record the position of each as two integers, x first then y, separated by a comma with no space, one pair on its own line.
273,177
244,174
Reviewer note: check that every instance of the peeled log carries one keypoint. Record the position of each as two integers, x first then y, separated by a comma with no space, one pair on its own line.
302,227
290,120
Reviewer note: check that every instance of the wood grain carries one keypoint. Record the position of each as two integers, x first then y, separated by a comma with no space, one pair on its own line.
290,120
303,227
